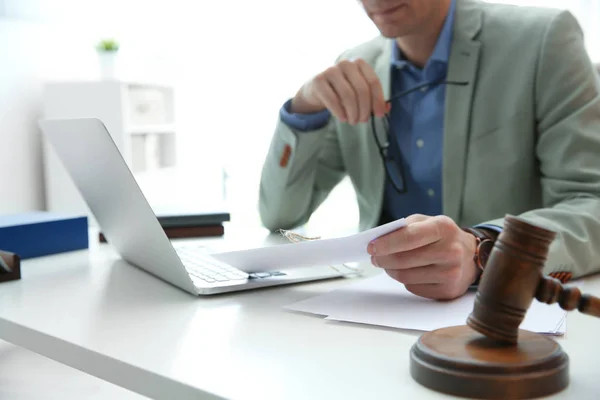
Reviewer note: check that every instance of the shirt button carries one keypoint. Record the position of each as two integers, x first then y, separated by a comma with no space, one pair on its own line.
420,143
431,192
424,88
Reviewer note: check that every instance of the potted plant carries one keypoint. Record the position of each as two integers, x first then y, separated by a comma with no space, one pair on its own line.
108,50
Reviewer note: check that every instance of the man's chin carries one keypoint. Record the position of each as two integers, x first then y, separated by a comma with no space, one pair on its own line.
392,32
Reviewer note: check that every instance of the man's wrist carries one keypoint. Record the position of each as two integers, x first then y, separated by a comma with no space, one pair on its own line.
303,122
298,105
493,230
482,233
485,238
478,273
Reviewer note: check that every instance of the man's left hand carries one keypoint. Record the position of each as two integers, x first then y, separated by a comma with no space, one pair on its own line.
431,256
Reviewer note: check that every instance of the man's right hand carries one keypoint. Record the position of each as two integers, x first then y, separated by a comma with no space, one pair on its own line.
350,90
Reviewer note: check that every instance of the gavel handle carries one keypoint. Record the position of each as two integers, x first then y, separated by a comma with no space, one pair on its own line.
551,291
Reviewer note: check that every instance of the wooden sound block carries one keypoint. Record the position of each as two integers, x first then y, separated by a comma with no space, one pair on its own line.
14,263
462,362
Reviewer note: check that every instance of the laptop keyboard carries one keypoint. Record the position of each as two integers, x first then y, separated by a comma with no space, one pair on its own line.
206,268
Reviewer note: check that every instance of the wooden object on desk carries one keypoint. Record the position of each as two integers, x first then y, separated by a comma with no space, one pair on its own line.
13,261
462,362
490,357
186,232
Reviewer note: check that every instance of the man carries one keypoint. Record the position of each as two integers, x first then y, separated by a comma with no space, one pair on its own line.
508,122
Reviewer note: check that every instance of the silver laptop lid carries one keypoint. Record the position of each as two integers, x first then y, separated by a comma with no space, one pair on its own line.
110,190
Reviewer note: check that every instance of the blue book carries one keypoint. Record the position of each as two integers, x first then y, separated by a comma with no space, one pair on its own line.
42,233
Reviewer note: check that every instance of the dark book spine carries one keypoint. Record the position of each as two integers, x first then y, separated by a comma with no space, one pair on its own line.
187,232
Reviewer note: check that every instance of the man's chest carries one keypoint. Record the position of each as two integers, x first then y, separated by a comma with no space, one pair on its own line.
416,123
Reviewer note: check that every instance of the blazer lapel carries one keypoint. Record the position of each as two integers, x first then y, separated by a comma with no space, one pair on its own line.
382,68
462,67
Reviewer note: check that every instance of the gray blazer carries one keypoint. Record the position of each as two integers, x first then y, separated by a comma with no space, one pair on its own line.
522,138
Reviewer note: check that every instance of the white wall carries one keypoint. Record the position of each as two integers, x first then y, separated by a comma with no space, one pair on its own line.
19,148
29,53
43,40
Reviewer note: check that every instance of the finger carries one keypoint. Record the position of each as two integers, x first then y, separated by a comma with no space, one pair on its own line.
346,94
416,218
409,220
434,253
443,274
329,97
434,291
361,88
378,104
410,237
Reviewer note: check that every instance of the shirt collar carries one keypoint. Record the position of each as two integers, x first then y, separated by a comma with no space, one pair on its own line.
441,52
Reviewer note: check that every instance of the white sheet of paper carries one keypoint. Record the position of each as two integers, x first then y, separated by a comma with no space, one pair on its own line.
382,301
308,253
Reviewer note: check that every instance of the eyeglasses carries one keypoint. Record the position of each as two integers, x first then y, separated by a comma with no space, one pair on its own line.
395,169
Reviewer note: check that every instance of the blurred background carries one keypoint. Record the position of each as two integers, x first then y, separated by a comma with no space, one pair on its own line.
192,93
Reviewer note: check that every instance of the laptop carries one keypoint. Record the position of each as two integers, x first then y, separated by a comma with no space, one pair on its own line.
97,168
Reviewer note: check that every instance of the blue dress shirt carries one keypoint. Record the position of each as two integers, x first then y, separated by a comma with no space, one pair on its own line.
417,122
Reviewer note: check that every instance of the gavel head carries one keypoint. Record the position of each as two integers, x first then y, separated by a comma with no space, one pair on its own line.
510,280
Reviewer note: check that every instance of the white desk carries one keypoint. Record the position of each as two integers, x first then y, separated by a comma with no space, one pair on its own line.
91,311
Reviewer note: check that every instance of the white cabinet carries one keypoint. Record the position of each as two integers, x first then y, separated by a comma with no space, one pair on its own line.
139,116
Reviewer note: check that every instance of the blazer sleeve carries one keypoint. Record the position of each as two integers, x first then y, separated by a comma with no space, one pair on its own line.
568,149
300,170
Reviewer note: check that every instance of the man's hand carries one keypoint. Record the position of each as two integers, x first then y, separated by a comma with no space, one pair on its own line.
431,256
350,90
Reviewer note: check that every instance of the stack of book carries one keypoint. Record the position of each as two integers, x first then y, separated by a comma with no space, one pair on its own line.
185,222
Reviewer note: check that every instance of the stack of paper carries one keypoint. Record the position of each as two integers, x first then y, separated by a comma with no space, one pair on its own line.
382,301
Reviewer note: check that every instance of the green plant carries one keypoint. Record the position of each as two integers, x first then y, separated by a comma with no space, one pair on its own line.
108,45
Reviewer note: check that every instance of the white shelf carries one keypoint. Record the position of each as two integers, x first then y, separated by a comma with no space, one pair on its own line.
151,129
139,116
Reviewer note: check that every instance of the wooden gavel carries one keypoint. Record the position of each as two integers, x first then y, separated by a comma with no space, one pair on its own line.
490,357
513,277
